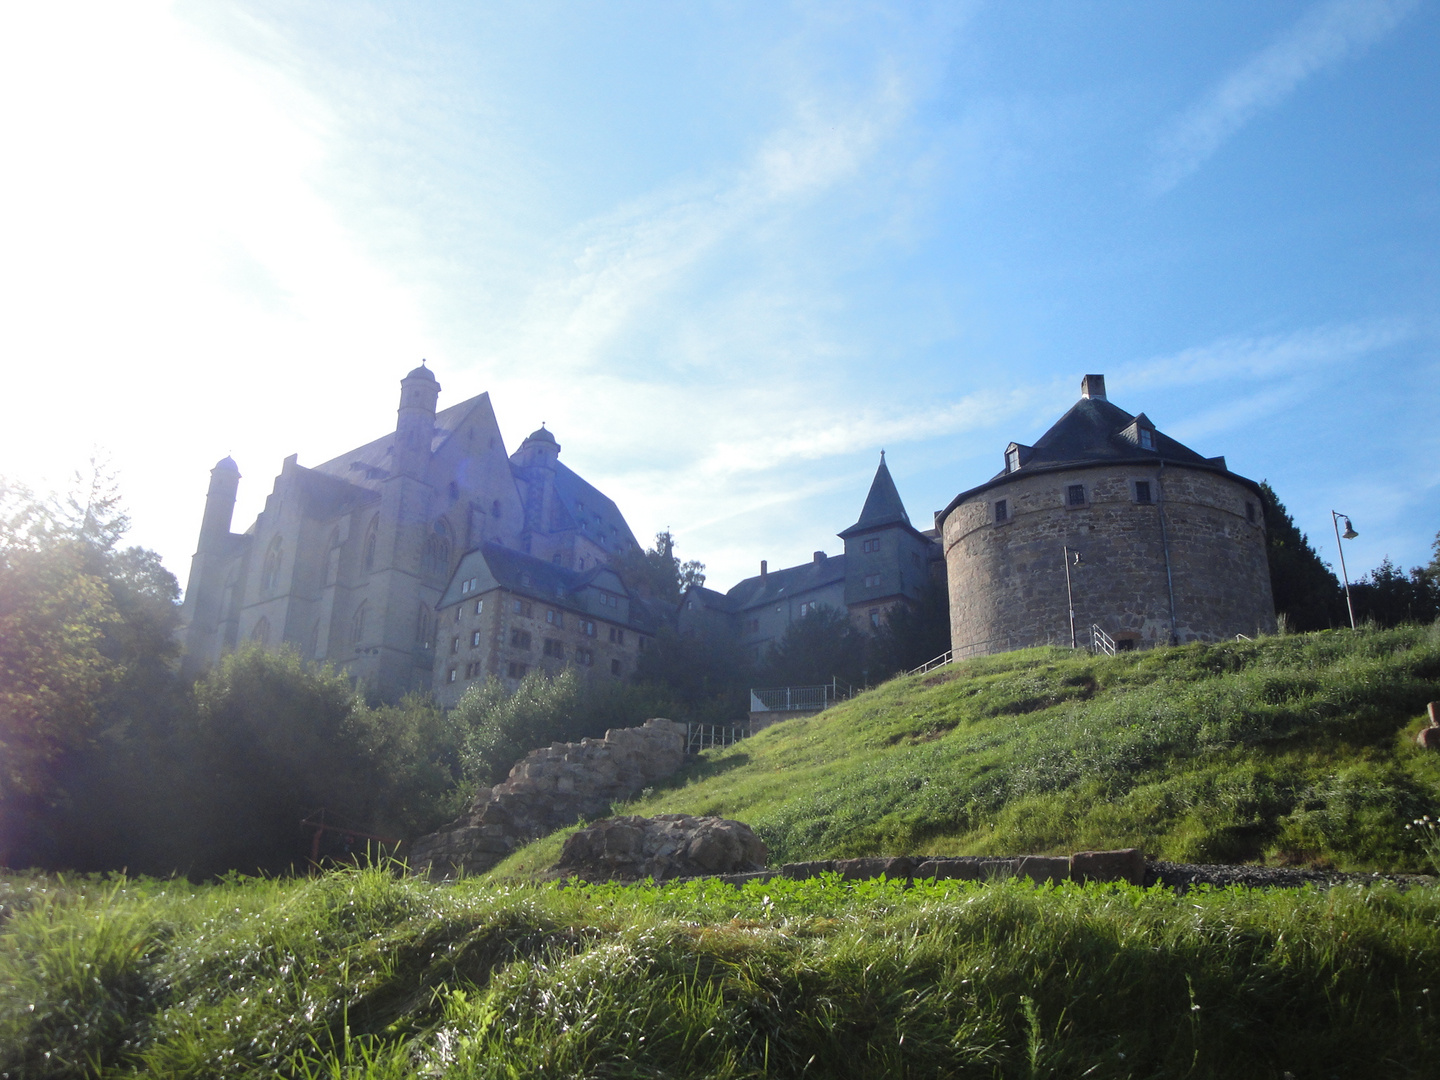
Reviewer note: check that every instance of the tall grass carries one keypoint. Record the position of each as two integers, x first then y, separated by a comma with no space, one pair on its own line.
1294,749
362,974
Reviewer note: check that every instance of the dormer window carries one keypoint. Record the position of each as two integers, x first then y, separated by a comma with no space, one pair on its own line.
1147,438
1012,459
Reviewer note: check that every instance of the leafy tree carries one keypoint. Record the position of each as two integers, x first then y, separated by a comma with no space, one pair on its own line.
1305,589
1387,596
657,572
910,635
821,645
706,673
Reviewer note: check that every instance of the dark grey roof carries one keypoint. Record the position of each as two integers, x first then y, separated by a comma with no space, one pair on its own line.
710,599
882,506
543,435
791,581
1094,432
574,590
600,519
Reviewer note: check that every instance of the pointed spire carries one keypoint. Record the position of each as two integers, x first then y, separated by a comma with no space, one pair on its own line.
882,505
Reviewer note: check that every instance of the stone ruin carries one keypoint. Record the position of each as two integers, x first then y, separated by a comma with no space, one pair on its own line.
1428,737
549,789
662,847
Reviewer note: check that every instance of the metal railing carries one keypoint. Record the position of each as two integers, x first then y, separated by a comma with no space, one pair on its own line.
800,698
930,665
700,737
1100,641
975,648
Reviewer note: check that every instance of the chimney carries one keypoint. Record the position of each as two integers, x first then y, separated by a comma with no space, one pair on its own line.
1093,386
819,557
764,569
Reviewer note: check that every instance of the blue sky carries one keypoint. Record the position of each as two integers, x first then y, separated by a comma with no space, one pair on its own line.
727,251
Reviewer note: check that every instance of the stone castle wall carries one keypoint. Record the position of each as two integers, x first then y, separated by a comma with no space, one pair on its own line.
549,789
1007,580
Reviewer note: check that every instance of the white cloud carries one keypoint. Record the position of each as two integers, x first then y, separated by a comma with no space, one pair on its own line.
1325,35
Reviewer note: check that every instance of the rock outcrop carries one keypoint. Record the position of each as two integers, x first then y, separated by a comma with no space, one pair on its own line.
547,790
662,847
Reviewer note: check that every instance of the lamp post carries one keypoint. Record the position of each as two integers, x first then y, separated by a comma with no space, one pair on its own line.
1069,593
1350,534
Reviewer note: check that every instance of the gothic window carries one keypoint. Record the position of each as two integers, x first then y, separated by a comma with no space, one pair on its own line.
372,536
270,575
261,634
357,624
437,551
315,641
422,624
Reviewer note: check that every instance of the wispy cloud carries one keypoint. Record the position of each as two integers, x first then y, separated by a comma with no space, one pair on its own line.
1325,35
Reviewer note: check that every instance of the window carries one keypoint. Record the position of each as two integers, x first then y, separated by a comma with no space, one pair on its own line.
450,675
872,581
261,634
1002,511
617,636
371,539
614,667
553,647
555,618
587,627
459,610
585,657
437,552
1147,439
465,588
807,607
475,640
422,624
520,639
454,645
607,600
1250,512
270,576
872,544
516,670
1075,495
469,671
357,624
479,606
521,607
1142,491
875,617
1012,459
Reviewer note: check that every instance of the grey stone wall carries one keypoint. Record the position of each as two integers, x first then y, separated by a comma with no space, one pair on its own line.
1007,580
549,789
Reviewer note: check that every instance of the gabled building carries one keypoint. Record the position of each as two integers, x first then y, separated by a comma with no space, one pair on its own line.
886,561
349,558
505,614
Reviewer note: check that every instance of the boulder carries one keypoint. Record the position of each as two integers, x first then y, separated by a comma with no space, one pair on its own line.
662,847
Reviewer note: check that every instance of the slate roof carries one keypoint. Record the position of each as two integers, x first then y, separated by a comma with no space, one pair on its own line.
783,584
525,575
1096,432
601,518
882,506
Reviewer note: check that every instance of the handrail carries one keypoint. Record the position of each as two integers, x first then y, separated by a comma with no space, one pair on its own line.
1100,641
800,698
940,661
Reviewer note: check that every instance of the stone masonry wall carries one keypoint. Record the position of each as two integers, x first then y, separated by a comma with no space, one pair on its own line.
1007,580
549,789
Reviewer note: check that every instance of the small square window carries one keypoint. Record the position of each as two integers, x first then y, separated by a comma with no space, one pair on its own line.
451,676
875,617
872,545
1012,460
1075,495
516,670
475,640
520,639
1142,491
479,606
1002,511
872,581
1147,439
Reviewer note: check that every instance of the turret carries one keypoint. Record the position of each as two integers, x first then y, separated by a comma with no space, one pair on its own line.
535,465
415,421
219,503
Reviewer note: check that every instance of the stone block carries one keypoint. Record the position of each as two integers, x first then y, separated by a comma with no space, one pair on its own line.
1126,864
864,869
1043,869
802,870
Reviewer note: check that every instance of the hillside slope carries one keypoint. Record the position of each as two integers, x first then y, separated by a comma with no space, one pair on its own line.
1295,749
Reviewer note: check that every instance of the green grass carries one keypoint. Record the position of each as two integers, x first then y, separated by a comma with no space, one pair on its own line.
1295,749
363,974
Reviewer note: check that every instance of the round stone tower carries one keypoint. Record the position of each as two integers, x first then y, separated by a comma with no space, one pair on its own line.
1111,527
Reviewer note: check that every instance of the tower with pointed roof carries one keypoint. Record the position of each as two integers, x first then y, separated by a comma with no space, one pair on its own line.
1163,544
887,560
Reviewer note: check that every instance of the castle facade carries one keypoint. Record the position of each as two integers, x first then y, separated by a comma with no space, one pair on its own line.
349,560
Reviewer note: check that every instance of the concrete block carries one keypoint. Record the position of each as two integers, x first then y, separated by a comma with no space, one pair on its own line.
1126,864
1043,869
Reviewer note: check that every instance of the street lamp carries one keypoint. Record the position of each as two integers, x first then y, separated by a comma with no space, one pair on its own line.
1069,593
1350,534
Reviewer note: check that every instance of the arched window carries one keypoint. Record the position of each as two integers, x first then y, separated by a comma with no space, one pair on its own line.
437,552
423,623
371,539
315,640
357,624
261,634
270,575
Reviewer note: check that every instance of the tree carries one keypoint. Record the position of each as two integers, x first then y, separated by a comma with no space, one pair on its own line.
817,647
658,573
705,672
1305,589
1387,596
910,634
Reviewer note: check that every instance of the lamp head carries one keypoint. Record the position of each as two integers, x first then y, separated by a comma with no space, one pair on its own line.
1349,533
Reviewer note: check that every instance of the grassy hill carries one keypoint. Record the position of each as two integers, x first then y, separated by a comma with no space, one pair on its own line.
1295,749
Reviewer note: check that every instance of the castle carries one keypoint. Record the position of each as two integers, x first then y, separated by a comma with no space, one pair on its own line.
886,561
1105,526
350,560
